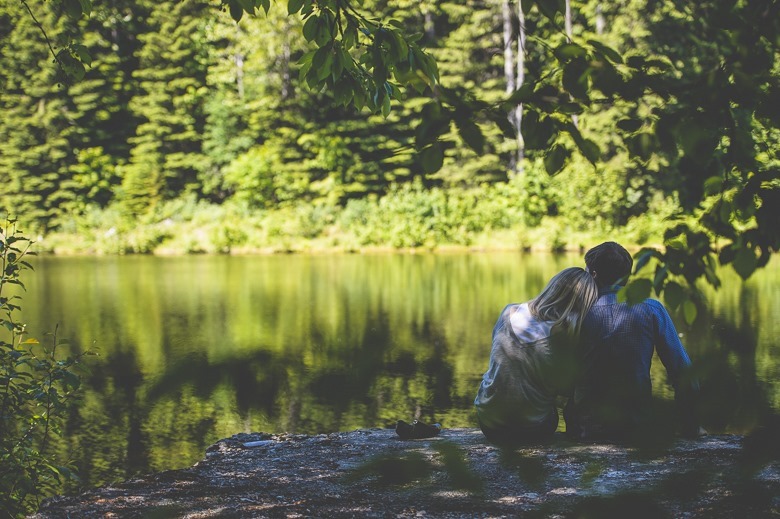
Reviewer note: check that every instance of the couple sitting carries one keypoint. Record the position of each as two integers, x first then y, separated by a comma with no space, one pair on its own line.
575,339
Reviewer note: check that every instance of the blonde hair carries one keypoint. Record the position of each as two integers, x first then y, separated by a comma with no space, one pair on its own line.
566,299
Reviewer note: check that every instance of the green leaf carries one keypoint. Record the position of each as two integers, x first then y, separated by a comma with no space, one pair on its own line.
307,58
570,108
590,149
727,254
674,294
398,45
638,290
432,158
310,27
324,69
689,311
86,6
458,469
608,52
73,8
521,95
641,145
71,380
349,37
629,125
319,58
725,210
635,61
338,65
606,78
323,34
661,273
550,8
538,132
575,78
236,11
72,67
697,138
568,51
83,53
471,134
643,259
396,23
659,63
555,159
713,185
745,262
433,123
293,6
502,121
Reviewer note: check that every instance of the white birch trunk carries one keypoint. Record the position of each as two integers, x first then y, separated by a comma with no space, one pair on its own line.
600,22
569,34
509,70
519,83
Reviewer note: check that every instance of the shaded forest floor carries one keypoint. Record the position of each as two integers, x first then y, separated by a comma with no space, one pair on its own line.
372,473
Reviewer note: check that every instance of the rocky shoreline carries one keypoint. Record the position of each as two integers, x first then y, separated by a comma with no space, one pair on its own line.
373,473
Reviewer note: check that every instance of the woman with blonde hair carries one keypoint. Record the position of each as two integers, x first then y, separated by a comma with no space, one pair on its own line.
533,360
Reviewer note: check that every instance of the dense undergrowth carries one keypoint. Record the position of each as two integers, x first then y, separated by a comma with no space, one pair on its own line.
496,216
37,388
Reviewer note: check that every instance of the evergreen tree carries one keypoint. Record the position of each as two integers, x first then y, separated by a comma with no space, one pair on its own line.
98,104
34,151
172,69
62,142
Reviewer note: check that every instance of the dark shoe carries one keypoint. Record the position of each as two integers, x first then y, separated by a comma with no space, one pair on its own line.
416,430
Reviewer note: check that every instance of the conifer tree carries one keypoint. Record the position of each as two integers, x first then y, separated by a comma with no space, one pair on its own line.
172,68
33,149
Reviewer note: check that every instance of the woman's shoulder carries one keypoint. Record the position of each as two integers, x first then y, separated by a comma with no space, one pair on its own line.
526,327
509,310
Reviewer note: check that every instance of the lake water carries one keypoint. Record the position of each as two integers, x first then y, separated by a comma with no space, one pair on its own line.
194,349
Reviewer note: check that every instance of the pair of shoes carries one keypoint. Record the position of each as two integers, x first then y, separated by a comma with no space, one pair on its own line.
416,430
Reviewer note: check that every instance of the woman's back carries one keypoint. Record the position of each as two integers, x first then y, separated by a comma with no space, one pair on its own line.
517,387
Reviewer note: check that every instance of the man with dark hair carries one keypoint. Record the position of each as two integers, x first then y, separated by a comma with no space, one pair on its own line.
612,400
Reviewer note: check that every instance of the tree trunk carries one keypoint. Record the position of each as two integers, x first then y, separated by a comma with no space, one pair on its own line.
430,28
239,74
514,73
286,76
238,57
509,55
519,83
567,19
600,22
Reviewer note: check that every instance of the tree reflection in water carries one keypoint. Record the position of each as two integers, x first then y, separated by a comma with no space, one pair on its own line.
199,348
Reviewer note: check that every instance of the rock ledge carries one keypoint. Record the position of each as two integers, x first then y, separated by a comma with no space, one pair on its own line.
372,473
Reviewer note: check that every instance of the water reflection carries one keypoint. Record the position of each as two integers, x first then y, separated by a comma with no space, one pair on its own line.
194,349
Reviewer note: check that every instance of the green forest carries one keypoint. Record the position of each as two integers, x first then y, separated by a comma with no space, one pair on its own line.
190,132
252,126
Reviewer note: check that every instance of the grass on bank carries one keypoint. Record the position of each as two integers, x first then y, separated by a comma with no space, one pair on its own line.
403,220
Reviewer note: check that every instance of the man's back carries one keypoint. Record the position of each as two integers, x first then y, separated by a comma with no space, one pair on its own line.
613,396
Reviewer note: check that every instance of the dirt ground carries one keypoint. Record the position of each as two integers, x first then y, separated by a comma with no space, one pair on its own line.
373,473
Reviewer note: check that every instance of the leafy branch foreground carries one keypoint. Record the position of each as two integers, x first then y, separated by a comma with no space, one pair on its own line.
37,388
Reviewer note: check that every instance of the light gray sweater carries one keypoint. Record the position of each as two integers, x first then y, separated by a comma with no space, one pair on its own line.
525,373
